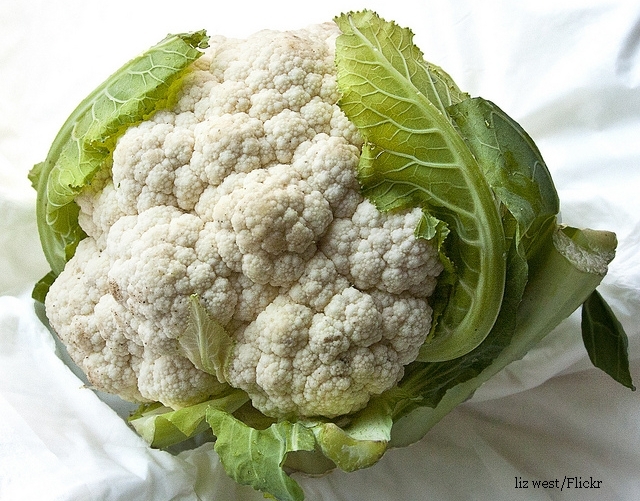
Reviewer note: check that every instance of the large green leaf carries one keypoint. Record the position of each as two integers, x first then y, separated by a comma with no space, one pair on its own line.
163,427
363,441
513,167
605,339
256,457
414,157
571,267
86,140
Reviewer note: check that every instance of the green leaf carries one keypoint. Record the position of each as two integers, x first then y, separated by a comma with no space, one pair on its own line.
86,140
205,342
163,427
516,172
414,157
431,381
513,167
34,175
363,441
571,267
430,227
255,457
605,339
42,287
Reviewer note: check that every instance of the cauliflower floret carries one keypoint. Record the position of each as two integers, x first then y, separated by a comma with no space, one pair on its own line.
231,143
318,284
173,380
100,343
267,225
245,194
327,165
143,170
138,301
155,268
293,361
380,250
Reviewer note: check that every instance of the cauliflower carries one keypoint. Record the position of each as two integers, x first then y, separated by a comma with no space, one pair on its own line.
245,194
301,241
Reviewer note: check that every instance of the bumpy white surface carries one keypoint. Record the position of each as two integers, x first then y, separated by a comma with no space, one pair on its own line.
246,195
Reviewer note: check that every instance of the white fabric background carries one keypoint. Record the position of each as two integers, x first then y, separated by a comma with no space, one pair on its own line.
568,71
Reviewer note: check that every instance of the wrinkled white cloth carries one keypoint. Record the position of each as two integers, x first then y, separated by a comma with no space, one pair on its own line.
568,71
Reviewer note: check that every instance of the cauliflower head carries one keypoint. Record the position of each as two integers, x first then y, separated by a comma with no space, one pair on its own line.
245,194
